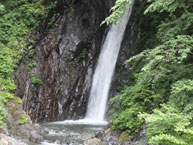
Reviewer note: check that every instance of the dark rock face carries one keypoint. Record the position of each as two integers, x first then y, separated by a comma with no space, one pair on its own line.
65,59
66,56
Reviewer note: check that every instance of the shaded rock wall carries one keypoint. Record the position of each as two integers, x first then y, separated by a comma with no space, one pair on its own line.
65,58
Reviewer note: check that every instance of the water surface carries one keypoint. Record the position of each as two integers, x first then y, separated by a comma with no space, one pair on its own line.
69,132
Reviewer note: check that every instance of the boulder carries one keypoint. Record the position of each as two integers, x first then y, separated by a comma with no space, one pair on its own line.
19,123
94,141
7,140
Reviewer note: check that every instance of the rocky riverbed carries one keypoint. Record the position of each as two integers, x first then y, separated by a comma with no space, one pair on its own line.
75,133
69,133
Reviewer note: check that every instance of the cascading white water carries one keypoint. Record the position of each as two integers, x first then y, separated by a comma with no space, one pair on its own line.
105,68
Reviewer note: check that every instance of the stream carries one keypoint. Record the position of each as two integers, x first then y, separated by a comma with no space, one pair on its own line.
68,132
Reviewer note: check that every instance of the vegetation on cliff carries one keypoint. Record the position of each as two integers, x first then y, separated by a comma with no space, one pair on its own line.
17,20
160,94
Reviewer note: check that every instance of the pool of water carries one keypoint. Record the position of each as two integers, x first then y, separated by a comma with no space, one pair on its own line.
68,132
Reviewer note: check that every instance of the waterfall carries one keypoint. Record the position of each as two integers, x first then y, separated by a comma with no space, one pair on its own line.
105,68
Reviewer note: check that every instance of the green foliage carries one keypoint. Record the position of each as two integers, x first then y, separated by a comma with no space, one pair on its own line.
34,79
72,10
6,96
7,85
6,61
31,53
178,26
129,103
162,74
23,119
81,56
3,116
168,126
128,120
19,101
11,29
117,11
156,83
164,5
17,19
181,96
145,28
152,84
168,5
31,65
173,51
2,8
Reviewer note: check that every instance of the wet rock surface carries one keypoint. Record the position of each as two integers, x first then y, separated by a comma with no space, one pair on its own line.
65,58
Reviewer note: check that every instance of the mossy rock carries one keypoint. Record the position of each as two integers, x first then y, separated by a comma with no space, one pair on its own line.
124,136
15,113
16,116
19,123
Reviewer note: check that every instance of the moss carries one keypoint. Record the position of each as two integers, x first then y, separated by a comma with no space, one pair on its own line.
19,134
14,128
19,101
124,136
72,10
13,110
80,57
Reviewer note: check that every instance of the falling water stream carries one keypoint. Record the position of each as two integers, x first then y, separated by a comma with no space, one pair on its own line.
75,132
105,68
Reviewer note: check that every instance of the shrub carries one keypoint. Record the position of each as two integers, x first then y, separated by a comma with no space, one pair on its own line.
23,119
168,126
6,96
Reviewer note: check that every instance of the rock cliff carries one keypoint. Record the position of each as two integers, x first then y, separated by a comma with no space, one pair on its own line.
65,56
